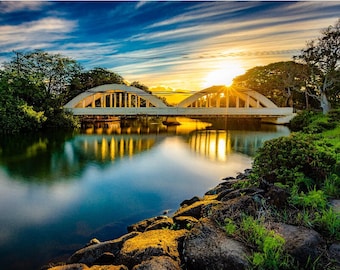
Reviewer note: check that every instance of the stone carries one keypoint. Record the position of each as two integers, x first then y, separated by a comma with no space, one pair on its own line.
277,196
150,244
158,263
302,243
76,266
108,267
93,241
185,222
105,258
90,254
195,209
334,251
151,224
190,201
207,247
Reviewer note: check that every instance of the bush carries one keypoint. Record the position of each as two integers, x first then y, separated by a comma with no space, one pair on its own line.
301,120
297,159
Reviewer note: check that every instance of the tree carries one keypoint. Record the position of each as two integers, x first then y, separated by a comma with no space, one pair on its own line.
32,89
54,71
92,78
141,86
277,81
322,57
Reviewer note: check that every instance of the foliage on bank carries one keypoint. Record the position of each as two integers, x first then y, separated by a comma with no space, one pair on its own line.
305,166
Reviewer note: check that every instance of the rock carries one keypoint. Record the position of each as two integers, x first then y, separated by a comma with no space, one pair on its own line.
151,224
241,192
90,254
185,222
335,205
234,208
302,243
93,241
190,202
334,251
195,209
105,258
76,266
150,244
108,267
158,263
277,196
207,247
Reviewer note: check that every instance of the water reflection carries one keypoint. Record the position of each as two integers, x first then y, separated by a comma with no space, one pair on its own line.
109,148
63,156
217,145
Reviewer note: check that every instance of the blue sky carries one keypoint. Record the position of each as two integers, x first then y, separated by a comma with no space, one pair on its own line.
182,45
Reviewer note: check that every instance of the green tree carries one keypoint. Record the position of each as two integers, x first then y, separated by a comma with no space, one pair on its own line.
322,56
277,81
15,113
33,87
92,78
54,71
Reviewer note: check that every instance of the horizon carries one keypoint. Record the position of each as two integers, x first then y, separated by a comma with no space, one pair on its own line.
175,45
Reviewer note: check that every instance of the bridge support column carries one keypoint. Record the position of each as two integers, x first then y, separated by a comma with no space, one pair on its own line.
125,100
218,100
246,105
129,100
120,99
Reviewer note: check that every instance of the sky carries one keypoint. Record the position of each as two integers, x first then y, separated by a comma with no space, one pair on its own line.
176,45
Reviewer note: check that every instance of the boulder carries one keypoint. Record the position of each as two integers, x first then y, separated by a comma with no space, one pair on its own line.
151,224
150,244
158,263
190,201
195,209
207,247
90,254
75,266
185,222
302,243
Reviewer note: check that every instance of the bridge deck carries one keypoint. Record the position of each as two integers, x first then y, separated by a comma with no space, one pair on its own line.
177,111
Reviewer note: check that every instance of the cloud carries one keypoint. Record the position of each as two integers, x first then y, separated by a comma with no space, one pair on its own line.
15,6
35,34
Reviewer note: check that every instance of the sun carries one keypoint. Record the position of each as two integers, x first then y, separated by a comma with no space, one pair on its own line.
224,75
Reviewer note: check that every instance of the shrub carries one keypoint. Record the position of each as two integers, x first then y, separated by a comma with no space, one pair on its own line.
296,159
301,120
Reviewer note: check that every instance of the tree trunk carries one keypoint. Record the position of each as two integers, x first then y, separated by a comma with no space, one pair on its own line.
325,105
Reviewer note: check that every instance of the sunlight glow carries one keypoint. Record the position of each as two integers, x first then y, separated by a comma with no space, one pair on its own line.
224,75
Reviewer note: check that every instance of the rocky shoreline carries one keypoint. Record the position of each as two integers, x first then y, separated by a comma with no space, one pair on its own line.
194,237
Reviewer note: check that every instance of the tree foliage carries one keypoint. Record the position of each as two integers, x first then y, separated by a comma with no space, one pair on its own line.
279,82
32,89
92,78
322,56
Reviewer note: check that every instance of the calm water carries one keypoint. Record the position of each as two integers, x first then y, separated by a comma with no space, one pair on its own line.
58,191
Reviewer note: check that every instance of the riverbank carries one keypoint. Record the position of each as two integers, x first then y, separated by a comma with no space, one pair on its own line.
211,233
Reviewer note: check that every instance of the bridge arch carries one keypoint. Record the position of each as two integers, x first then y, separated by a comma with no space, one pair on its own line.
114,96
227,97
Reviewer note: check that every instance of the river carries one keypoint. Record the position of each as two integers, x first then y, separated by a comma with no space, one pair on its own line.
59,190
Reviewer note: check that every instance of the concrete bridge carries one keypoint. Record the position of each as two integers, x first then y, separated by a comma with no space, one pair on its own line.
215,101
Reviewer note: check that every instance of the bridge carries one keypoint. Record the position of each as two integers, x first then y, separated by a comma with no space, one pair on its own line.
123,100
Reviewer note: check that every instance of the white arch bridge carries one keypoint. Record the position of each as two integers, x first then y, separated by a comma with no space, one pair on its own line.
123,100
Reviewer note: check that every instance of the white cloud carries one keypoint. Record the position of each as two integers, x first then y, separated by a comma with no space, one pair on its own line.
34,35
14,6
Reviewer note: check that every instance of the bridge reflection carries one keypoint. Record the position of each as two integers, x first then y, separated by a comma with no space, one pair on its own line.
217,145
109,148
57,157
